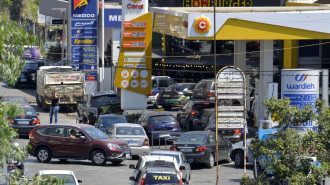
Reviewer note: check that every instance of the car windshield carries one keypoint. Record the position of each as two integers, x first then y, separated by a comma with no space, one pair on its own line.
31,66
104,100
171,155
161,178
159,164
96,133
138,131
29,111
18,100
200,107
107,122
192,138
67,178
161,119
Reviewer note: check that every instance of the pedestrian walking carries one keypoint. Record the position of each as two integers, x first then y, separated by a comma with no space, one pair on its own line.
84,117
54,108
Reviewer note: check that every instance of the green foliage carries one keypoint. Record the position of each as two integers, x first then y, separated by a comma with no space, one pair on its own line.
246,181
132,118
12,42
111,109
288,153
54,52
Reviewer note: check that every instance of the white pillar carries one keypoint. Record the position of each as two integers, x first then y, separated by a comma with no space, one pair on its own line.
325,87
266,74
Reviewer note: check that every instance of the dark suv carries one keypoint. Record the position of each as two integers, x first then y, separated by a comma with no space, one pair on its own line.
204,89
94,102
76,142
190,110
28,74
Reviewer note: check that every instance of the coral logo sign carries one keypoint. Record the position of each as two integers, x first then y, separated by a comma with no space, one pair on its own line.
79,3
301,78
202,25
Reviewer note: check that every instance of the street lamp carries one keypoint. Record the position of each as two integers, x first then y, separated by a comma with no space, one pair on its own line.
63,10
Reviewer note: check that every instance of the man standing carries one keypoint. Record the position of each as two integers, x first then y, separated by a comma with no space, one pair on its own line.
84,117
54,108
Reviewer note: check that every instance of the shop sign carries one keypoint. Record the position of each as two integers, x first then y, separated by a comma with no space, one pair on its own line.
84,9
112,18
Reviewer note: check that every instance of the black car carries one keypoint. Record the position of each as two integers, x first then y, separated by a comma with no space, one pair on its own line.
157,175
204,89
190,110
175,95
25,122
200,147
94,102
159,121
206,121
104,122
28,74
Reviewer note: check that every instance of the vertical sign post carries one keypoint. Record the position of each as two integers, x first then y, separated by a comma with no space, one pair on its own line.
231,101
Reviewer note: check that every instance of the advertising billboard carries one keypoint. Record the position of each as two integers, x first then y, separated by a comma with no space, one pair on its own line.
301,86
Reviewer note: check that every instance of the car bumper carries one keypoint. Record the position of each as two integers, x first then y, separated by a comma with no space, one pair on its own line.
23,129
198,157
119,156
142,150
233,138
151,99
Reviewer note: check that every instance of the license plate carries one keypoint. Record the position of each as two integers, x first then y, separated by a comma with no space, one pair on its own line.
200,94
128,155
23,80
23,122
186,150
166,95
131,143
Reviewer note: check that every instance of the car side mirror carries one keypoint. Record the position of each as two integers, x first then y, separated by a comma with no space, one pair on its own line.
184,180
82,137
182,168
131,166
80,181
132,178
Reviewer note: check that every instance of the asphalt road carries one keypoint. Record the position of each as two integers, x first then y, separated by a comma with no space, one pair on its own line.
110,174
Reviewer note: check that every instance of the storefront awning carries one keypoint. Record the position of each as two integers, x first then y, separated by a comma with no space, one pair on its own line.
242,23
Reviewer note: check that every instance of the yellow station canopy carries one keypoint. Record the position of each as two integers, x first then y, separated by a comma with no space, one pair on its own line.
244,23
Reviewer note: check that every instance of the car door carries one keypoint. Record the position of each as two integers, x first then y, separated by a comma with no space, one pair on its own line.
210,143
224,147
57,141
77,147
184,162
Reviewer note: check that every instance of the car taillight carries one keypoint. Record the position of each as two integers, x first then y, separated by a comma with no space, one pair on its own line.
35,121
175,124
211,94
237,131
31,136
146,142
200,149
11,120
143,179
194,112
179,178
176,96
173,148
150,93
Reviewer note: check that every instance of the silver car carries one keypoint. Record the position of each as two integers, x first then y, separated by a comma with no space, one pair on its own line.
135,136
181,160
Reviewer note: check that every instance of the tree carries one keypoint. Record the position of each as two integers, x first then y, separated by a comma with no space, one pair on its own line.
289,154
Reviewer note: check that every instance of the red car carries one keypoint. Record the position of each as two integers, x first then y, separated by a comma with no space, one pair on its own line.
76,142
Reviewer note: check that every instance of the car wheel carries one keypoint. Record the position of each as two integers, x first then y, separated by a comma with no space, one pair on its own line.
98,158
44,155
37,100
210,163
43,104
116,162
239,159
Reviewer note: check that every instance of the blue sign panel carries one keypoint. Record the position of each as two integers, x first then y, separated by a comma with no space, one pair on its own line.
90,67
84,9
83,32
84,60
79,49
84,41
112,18
84,24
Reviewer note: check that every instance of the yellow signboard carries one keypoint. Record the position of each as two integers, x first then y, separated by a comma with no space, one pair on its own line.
134,63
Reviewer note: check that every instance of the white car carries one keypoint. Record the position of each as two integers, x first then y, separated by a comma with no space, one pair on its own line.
133,134
154,161
237,153
67,175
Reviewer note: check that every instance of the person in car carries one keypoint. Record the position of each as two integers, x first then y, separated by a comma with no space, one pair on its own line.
73,134
54,108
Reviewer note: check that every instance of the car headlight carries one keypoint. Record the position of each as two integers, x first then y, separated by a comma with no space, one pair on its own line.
110,145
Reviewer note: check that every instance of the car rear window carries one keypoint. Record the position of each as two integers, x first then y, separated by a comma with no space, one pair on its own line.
31,66
130,131
105,100
200,107
29,111
171,155
159,164
192,138
108,122
17,100
44,131
68,179
161,178
161,119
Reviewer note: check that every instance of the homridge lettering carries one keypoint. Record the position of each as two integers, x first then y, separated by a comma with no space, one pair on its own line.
302,86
